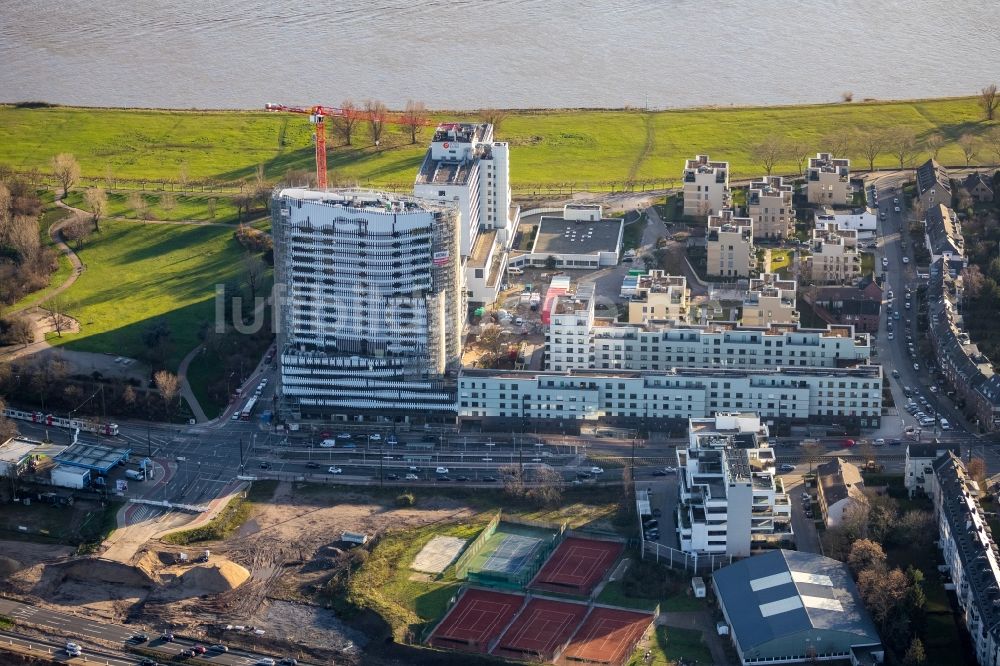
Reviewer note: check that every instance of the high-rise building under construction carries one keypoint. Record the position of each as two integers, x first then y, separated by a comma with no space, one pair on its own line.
371,306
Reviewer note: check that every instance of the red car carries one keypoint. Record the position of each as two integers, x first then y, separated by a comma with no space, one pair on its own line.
199,649
849,443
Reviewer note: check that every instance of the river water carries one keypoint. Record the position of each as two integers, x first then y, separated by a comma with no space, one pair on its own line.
465,54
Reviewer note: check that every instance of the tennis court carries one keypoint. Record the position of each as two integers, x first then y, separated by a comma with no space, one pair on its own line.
577,566
608,636
475,620
512,554
541,628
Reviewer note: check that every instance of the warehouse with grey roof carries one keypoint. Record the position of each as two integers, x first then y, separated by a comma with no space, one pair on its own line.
788,607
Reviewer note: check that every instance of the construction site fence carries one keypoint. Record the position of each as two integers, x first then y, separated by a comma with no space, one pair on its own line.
474,548
678,559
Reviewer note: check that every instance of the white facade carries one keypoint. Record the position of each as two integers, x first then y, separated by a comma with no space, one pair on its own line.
797,394
970,553
466,169
67,476
864,223
918,466
371,321
15,454
706,186
571,322
769,205
828,180
729,493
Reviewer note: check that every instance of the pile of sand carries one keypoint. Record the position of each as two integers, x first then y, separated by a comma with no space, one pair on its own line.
214,578
8,565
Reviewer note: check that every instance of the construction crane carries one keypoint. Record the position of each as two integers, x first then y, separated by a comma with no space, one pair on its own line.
318,115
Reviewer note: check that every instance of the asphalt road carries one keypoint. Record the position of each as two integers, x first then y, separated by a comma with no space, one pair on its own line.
66,627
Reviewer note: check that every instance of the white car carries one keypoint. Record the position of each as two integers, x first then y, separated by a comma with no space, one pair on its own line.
334,470
73,650
412,477
266,661
885,262
236,415
916,366
597,470
328,443
906,260
879,442
896,209
669,470
441,470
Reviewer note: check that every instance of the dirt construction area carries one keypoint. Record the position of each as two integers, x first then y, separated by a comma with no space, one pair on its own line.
270,574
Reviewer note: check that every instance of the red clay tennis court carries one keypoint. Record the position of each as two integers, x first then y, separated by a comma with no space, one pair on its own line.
577,565
541,628
475,620
608,636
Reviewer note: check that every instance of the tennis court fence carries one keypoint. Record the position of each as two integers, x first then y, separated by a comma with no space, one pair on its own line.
474,548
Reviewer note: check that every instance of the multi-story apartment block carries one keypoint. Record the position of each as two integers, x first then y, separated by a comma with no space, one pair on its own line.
769,205
370,324
706,186
970,555
944,238
465,168
571,322
918,465
769,300
835,258
933,185
729,242
661,297
505,399
828,180
729,494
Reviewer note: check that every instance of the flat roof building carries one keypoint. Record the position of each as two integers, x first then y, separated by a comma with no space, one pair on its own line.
580,239
787,606
769,205
770,299
835,258
15,454
828,180
95,457
661,297
706,186
729,242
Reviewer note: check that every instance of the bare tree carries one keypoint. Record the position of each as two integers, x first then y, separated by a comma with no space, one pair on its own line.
989,100
494,117
973,281
798,151
977,471
8,428
22,236
168,385
767,153
182,176
933,144
66,170
847,96
210,206
168,201
137,202
347,122
548,486
129,396
414,118
993,141
903,145
97,202
969,146
513,480
839,142
490,341
871,144
59,321
866,554
375,114
253,267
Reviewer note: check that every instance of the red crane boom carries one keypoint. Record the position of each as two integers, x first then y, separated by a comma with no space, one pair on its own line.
317,116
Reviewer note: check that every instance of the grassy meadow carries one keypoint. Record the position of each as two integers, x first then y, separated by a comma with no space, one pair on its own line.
548,147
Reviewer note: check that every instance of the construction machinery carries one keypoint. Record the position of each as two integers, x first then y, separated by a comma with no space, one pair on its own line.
318,115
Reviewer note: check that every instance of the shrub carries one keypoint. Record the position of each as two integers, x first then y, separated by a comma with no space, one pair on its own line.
405,499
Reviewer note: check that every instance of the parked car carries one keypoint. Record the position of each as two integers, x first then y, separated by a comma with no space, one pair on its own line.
167,637
659,472
583,475
444,478
199,649
265,465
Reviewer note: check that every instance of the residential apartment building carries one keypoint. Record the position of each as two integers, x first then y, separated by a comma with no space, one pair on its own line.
835,258
571,322
933,185
728,493
970,555
769,205
857,305
838,486
500,399
370,324
729,243
918,465
943,236
706,186
769,300
828,180
466,169
658,296
979,186
968,371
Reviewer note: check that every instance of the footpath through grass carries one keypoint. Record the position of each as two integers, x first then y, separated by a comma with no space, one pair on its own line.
137,273
594,146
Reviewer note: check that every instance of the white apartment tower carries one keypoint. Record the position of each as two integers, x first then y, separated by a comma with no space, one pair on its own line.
370,321
729,494
466,169
769,205
706,186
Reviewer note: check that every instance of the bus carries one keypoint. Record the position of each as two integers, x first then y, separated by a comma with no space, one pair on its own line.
248,408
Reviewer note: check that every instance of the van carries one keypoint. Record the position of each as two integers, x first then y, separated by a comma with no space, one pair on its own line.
135,474
513,270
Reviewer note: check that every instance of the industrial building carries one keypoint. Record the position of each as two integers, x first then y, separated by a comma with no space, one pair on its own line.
786,607
371,320
728,493
466,169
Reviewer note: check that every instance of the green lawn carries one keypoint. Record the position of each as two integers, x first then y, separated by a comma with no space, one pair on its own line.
780,259
136,273
185,207
593,146
670,645
614,594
